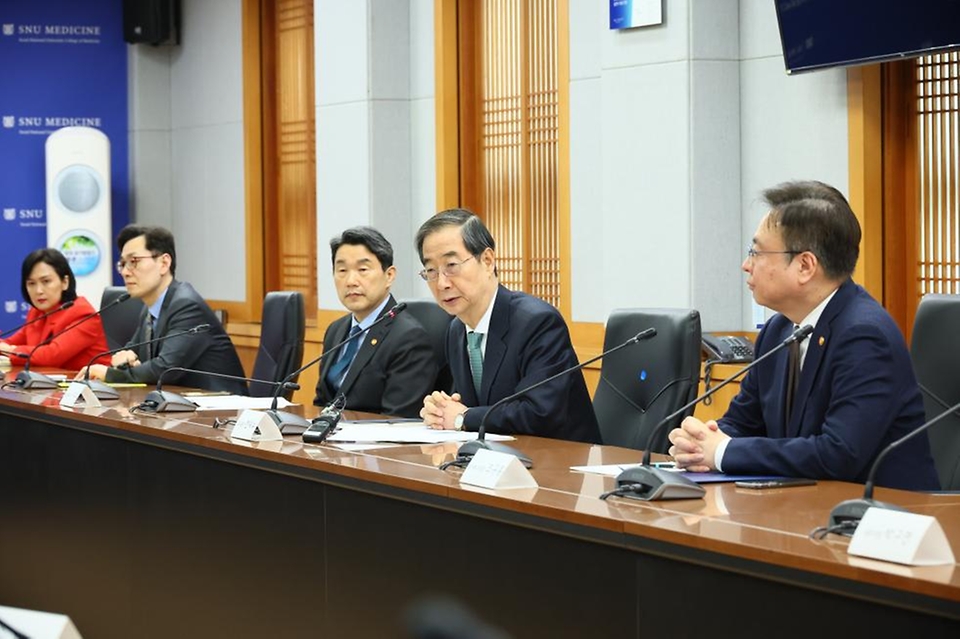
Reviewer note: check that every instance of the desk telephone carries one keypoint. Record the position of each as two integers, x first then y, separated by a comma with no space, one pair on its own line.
728,348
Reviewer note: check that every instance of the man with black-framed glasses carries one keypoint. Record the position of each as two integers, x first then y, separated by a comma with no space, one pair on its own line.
501,341
824,410
148,264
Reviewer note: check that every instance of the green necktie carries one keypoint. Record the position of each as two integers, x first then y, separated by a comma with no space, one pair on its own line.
476,358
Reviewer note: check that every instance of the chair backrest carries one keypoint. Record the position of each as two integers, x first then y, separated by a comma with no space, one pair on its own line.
119,322
935,352
643,383
435,321
282,330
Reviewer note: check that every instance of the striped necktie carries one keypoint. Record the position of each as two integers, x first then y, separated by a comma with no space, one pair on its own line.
474,340
338,371
148,335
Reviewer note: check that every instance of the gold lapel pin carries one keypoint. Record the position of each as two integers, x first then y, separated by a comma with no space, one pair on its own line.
373,342
822,341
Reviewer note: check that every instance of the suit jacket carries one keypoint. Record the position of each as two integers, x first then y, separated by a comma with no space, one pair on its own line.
73,349
527,342
212,351
393,371
856,394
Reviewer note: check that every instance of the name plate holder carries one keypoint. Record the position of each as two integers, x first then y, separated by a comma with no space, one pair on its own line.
497,471
77,392
901,537
256,426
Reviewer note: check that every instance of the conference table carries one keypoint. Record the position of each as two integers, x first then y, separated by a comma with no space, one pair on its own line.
144,525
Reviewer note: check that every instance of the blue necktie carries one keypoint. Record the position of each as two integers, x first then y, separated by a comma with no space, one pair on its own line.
336,372
476,358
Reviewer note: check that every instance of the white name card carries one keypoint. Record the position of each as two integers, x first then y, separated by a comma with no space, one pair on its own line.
38,625
901,537
498,471
256,426
77,391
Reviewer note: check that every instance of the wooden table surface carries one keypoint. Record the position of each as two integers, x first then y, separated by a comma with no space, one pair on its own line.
760,533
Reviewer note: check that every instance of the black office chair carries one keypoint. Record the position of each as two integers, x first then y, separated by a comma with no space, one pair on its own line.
121,321
935,352
642,384
436,321
282,330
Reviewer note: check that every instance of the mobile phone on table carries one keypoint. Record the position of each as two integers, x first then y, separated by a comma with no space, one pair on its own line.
783,482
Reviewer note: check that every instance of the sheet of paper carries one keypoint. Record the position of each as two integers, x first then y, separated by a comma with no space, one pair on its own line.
404,433
236,402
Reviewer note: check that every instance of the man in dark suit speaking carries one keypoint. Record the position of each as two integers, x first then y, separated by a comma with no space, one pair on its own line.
390,367
148,264
501,341
826,410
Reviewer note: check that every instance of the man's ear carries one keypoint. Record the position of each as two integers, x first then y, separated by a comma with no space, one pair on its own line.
488,258
391,273
809,265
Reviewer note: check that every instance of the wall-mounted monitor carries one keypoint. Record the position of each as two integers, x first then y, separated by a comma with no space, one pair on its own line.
816,34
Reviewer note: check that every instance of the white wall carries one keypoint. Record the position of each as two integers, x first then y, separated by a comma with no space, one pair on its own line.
674,131
792,127
187,140
375,128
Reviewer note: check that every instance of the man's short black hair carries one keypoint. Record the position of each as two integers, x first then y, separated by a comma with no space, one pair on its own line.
366,236
813,216
158,241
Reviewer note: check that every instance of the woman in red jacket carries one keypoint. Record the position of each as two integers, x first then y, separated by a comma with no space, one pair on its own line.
47,282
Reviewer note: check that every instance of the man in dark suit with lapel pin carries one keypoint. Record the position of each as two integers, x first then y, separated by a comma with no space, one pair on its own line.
148,264
501,341
855,390
388,368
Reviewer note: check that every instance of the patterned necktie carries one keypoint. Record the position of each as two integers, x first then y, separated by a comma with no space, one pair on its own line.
476,358
793,375
148,335
336,373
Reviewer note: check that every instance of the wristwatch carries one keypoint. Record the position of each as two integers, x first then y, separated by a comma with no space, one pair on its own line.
458,421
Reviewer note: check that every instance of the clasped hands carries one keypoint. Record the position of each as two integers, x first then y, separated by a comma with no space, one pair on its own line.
694,444
123,359
440,410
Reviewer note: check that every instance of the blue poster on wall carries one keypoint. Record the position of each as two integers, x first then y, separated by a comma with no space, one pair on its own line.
63,63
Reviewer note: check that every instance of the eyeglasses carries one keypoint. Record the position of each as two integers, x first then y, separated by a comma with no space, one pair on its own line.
449,270
752,252
133,260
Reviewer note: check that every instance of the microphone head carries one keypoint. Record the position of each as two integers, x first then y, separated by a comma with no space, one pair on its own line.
200,328
802,333
122,297
398,309
66,305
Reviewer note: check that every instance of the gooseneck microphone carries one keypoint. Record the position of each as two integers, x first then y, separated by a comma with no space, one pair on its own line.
846,516
27,378
649,483
158,401
62,307
105,391
292,424
470,448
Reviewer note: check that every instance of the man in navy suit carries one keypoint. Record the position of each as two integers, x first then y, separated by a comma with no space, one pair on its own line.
390,367
855,391
501,342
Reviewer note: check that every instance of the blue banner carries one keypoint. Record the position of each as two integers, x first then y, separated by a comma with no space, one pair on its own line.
62,63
